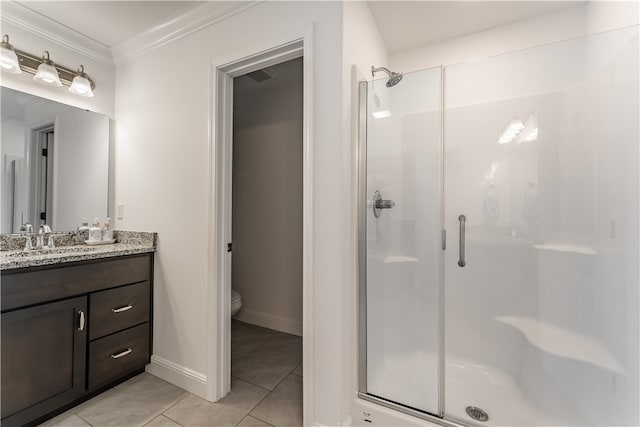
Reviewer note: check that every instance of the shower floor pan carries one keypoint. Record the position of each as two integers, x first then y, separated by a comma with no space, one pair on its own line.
497,393
470,384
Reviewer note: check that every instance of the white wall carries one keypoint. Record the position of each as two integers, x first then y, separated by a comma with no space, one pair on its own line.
80,168
12,137
162,154
11,149
267,198
589,18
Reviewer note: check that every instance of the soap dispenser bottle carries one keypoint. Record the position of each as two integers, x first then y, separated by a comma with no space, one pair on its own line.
107,233
95,232
84,226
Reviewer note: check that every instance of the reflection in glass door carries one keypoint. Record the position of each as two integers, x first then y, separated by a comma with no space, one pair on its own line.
401,262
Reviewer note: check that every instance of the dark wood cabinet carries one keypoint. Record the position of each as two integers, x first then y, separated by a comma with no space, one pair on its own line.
43,350
71,330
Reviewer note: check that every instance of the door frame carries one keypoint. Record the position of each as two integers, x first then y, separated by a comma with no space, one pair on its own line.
36,140
219,231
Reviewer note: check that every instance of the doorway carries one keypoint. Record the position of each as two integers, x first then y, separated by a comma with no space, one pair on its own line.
219,381
266,266
40,154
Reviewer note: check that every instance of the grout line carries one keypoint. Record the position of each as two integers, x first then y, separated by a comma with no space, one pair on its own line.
168,417
268,394
256,418
77,415
175,403
249,382
170,405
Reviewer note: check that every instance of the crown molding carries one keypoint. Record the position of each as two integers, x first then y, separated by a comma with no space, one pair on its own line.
184,25
42,26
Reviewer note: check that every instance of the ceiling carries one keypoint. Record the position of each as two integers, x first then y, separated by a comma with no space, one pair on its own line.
409,24
13,106
403,24
110,22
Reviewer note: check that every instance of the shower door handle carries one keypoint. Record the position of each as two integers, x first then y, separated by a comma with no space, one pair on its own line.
461,260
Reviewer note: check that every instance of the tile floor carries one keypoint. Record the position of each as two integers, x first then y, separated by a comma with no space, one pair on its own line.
266,390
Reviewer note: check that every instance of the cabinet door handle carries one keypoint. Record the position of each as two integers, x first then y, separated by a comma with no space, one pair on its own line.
121,309
121,354
81,321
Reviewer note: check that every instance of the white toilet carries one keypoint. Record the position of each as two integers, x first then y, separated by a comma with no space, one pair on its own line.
236,302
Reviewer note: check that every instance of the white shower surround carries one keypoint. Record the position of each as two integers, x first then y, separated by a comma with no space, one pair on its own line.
551,337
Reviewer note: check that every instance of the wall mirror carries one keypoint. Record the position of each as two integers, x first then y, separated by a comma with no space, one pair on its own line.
54,163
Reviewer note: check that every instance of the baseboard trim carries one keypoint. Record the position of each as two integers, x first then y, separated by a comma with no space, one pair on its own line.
188,379
270,321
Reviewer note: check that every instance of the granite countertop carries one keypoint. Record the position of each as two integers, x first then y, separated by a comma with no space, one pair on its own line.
70,247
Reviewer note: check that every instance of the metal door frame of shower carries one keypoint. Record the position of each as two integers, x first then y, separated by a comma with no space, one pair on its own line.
440,419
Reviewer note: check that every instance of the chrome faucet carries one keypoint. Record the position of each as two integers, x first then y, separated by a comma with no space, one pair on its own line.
40,238
27,244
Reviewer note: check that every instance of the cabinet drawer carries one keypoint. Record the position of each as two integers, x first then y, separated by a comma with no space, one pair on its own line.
116,309
22,287
116,355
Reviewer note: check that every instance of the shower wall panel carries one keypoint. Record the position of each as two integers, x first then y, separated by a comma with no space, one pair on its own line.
541,153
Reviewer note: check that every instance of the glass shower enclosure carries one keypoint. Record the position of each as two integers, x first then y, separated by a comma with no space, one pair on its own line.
498,238
401,224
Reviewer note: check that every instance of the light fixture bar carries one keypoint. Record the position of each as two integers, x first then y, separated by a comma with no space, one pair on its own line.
29,63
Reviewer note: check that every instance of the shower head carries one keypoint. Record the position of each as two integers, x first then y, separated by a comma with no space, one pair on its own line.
394,78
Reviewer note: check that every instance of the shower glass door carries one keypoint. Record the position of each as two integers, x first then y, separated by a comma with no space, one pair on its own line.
541,184
400,226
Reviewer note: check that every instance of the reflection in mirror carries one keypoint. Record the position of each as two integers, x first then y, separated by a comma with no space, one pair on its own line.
54,162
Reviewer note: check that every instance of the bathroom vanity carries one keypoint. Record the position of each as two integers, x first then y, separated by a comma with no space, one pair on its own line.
74,323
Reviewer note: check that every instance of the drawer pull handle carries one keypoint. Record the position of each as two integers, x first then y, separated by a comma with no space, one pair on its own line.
121,309
121,354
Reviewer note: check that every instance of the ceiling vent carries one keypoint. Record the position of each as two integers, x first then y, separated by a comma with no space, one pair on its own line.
262,75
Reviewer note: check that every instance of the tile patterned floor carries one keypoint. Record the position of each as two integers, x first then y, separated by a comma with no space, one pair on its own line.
266,390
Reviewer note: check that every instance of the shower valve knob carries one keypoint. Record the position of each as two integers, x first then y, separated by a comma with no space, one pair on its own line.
379,203
384,204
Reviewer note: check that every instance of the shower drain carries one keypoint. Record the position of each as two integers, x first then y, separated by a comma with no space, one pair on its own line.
477,413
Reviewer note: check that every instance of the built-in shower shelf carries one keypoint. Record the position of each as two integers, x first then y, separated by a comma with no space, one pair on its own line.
399,258
560,247
563,342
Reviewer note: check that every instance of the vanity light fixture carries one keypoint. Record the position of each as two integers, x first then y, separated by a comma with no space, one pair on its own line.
8,58
45,70
81,85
